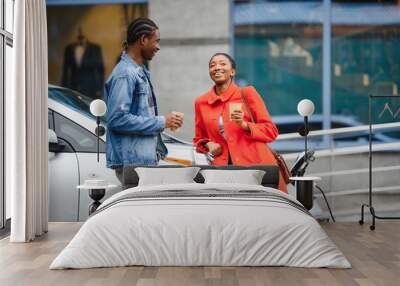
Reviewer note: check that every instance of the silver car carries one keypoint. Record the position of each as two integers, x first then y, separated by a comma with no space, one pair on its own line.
73,154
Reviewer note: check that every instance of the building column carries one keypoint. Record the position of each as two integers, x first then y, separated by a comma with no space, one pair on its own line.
191,32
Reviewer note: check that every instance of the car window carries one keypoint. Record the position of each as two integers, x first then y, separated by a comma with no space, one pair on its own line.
313,126
50,119
354,136
294,127
81,139
339,125
73,100
288,128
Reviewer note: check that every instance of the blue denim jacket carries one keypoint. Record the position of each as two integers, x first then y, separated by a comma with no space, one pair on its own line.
133,133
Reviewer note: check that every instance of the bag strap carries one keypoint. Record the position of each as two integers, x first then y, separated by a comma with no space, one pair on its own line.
246,104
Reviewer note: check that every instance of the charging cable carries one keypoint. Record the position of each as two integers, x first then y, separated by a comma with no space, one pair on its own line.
326,201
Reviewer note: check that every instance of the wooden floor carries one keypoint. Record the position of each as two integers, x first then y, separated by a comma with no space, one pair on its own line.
374,255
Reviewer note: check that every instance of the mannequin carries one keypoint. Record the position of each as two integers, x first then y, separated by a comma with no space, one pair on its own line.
80,47
83,68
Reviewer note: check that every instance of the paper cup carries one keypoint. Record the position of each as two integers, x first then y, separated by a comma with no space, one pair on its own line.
181,115
233,107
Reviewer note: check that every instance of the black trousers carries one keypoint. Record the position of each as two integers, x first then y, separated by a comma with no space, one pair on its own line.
229,159
126,175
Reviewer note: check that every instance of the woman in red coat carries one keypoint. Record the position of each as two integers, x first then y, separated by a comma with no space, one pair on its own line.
232,138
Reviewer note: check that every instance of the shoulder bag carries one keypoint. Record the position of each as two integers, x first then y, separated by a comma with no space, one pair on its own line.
284,170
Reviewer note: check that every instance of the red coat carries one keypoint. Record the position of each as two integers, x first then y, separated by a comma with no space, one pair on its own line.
245,148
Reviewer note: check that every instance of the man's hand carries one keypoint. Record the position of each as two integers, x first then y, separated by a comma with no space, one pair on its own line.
214,148
173,121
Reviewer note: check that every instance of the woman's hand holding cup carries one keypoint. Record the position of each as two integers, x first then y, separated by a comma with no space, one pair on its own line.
237,117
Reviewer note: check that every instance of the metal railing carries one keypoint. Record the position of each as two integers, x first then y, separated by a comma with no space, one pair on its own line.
344,170
343,130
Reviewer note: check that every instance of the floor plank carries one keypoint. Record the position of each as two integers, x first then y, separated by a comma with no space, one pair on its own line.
374,255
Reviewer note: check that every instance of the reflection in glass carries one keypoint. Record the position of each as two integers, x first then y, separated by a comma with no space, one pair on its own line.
365,57
278,48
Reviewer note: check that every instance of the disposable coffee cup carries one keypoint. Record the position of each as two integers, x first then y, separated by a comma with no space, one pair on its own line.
233,107
181,115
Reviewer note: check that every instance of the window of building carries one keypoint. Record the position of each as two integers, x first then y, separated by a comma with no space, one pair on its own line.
278,49
6,44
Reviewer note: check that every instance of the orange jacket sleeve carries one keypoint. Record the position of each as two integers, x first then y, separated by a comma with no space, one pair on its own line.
264,129
200,137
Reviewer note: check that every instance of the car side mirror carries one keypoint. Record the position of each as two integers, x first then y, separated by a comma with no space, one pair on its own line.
52,136
54,145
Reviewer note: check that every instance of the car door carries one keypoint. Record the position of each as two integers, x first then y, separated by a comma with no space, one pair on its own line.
84,144
63,178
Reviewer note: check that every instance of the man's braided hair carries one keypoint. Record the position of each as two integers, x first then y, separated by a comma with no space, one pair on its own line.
138,28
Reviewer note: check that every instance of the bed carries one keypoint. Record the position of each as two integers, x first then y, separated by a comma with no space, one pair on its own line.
202,224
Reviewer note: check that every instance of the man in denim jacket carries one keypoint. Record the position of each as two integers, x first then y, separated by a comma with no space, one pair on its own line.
134,126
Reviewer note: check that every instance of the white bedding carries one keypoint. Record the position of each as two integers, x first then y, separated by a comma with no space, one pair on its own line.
182,231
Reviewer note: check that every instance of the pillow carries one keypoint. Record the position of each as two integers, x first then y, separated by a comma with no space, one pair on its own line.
248,177
271,177
166,176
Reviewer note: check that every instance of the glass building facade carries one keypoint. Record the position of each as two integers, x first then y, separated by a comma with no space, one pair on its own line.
279,46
